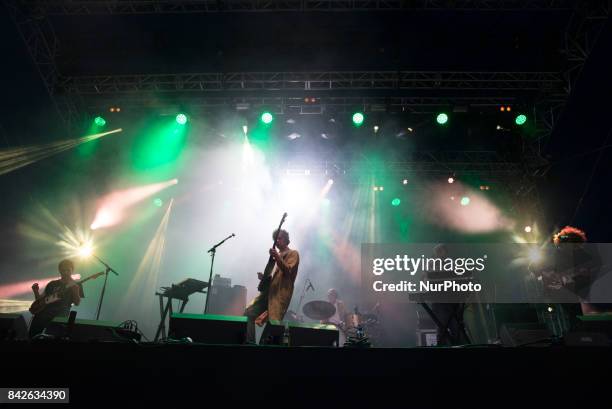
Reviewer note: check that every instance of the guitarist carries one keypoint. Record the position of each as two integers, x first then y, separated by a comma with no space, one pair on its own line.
275,303
60,308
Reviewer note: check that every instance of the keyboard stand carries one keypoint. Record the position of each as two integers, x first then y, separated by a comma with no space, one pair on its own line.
164,310
455,339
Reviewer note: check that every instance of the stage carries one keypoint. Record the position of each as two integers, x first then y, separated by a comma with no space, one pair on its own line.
113,373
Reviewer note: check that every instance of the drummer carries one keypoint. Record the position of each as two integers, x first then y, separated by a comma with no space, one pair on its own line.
339,317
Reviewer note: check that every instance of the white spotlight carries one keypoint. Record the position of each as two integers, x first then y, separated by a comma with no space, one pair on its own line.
451,180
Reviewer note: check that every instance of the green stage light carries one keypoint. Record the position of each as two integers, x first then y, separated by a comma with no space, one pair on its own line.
520,119
358,118
181,119
442,118
158,202
396,202
100,121
465,201
267,118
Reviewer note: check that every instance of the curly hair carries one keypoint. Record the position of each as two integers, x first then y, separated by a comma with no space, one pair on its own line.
281,232
570,234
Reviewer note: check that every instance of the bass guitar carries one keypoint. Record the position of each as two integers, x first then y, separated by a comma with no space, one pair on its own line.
41,303
264,284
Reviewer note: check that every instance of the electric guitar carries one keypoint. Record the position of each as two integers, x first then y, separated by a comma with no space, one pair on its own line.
41,303
264,284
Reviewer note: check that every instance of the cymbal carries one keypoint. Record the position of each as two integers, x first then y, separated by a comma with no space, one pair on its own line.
319,310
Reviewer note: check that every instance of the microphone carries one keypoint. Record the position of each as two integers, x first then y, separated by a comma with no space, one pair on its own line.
233,235
310,286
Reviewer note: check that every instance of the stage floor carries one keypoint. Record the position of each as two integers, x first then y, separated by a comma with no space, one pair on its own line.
174,373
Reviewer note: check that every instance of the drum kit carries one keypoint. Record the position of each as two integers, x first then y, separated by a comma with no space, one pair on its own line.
354,325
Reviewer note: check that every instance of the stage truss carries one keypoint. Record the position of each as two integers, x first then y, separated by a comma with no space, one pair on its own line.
416,92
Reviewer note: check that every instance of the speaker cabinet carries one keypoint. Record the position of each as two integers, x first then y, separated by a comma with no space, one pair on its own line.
13,327
225,300
209,328
523,334
90,331
301,334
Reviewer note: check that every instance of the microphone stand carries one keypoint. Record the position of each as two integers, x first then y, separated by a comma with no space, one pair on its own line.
213,251
307,284
108,269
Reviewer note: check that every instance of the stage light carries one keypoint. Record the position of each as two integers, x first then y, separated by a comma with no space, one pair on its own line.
267,118
503,109
451,180
550,309
465,200
381,188
181,119
245,129
330,181
84,250
376,188
376,128
294,135
99,121
527,229
114,206
520,119
358,118
395,202
405,181
442,118
158,202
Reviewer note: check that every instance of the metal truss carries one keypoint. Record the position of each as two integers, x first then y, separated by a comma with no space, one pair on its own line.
513,177
299,105
43,46
71,95
546,82
487,164
584,26
82,7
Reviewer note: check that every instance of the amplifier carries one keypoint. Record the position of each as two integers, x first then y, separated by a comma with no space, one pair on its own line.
301,334
91,331
520,334
209,328
225,300
13,326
